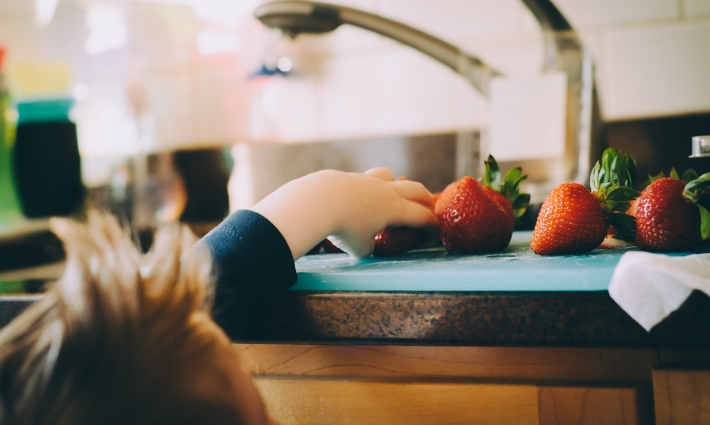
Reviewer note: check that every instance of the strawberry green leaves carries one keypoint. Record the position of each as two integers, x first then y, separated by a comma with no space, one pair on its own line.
687,176
698,189
624,224
508,185
622,193
704,223
615,169
492,176
611,180
698,192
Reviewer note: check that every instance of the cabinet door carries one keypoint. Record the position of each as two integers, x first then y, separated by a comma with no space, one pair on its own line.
682,396
343,402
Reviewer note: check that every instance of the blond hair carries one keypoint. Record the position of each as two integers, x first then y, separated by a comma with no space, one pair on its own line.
117,338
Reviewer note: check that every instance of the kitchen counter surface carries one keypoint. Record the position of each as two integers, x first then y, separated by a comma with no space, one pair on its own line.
514,270
510,298
514,298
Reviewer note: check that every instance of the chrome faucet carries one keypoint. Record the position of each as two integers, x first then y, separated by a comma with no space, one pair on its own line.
563,51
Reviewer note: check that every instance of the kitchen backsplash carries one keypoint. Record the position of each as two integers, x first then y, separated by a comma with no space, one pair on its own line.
652,60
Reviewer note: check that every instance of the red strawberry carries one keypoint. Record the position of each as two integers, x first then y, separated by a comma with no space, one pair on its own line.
397,240
571,221
574,220
442,201
666,220
633,207
502,201
506,189
473,222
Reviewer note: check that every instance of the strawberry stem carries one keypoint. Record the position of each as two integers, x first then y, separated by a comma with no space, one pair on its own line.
611,180
508,186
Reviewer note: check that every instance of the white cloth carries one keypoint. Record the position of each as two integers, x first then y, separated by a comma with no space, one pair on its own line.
649,287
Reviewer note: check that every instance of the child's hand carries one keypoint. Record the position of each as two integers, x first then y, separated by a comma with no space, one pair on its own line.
350,207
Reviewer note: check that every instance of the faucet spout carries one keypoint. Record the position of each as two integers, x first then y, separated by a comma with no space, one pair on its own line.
301,16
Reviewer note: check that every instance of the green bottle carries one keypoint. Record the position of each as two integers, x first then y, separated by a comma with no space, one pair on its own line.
10,209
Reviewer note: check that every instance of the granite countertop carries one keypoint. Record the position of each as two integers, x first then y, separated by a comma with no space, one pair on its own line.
541,319
514,298
432,297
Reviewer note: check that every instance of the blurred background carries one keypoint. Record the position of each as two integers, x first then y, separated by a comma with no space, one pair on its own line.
186,109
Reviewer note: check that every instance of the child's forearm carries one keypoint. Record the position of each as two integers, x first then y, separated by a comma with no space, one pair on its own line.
301,211
253,251
349,206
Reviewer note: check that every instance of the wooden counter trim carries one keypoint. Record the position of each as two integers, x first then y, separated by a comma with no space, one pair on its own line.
397,361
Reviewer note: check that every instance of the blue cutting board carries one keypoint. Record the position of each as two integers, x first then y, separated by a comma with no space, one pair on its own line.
434,269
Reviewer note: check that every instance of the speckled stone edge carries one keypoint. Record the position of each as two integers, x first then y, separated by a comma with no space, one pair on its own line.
546,319
562,319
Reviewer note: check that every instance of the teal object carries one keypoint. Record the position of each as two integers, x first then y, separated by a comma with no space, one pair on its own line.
44,110
515,269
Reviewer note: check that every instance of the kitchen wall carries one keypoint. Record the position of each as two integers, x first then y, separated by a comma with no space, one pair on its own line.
652,58
180,79
651,55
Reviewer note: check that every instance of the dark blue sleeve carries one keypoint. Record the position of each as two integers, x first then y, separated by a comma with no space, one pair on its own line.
252,265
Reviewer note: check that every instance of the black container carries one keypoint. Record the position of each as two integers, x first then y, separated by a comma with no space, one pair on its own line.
48,168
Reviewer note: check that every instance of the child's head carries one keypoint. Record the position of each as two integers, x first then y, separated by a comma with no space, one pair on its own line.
110,344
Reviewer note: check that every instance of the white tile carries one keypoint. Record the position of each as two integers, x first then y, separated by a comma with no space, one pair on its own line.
514,55
602,13
469,109
384,93
697,8
399,92
283,109
172,110
105,124
455,19
593,42
657,71
527,22
220,106
528,116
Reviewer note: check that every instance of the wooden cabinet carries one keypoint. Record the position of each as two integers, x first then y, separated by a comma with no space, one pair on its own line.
327,401
346,384
682,396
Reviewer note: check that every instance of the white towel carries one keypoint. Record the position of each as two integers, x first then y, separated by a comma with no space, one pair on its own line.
649,287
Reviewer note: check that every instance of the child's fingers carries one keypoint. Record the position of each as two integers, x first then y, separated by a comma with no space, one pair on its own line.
381,173
414,214
414,191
